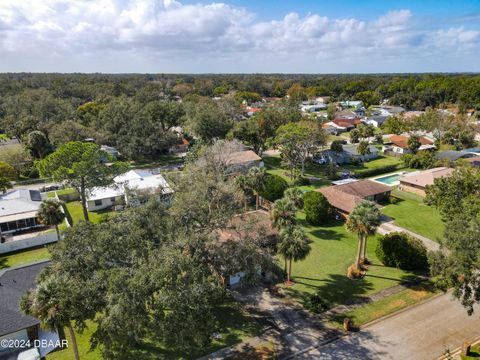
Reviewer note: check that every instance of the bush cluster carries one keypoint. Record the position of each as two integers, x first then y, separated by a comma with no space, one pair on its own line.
273,187
402,251
316,304
376,171
317,209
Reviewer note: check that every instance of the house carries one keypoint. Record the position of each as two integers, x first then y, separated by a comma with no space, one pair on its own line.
416,182
18,210
352,103
375,120
242,161
14,324
454,155
345,197
349,122
389,110
251,224
398,144
111,151
333,128
351,152
124,189
182,147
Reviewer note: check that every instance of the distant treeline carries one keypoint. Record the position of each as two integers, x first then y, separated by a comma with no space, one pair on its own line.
135,112
413,91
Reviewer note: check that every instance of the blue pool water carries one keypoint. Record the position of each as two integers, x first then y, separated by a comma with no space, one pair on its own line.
389,180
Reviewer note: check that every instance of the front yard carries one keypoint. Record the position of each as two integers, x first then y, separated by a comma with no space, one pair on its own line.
375,310
234,327
324,270
412,214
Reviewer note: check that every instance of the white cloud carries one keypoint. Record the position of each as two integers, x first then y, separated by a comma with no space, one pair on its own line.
176,34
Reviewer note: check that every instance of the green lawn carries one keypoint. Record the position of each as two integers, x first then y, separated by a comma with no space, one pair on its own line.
23,257
382,160
74,208
369,312
273,165
412,214
324,270
235,326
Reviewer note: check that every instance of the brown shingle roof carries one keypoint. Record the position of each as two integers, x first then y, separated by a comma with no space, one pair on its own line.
426,177
345,197
402,141
241,157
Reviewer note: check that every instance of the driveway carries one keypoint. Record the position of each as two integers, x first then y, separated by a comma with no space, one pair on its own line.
422,332
387,226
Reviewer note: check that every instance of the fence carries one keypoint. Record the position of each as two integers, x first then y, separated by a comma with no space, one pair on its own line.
34,241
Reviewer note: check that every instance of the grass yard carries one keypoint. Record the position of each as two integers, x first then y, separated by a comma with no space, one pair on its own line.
412,214
474,354
74,208
382,160
324,270
369,312
23,257
235,326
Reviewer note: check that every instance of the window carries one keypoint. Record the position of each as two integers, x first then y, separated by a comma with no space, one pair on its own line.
113,199
98,202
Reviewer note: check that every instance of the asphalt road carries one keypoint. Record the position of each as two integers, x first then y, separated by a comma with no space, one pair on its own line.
422,332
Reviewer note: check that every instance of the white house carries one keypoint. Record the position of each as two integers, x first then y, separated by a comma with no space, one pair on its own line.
18,210
124,187
398,144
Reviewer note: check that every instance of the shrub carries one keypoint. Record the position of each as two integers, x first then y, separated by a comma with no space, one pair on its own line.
354,273
392,199
337,145
375,171
300,181
274,187
316,304
402,251
318,210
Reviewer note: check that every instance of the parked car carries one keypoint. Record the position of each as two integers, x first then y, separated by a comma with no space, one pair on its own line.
49,188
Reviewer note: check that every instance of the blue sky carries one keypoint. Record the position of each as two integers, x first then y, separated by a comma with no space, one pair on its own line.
287,36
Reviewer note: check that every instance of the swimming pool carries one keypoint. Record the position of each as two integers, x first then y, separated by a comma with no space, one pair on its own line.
389,180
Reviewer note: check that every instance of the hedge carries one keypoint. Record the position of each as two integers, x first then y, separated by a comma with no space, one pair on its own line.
376,171
317,209
402,251
273,187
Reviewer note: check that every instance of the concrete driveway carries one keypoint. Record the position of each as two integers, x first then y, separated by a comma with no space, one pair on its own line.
422,332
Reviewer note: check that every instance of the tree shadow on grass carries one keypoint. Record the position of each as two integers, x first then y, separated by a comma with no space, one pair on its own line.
3,262
335,290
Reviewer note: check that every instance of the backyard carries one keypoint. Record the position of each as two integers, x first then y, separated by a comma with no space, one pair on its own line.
324,270
411,213
23,257
274,166
234,326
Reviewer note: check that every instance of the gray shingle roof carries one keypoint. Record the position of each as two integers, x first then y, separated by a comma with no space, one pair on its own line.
13,284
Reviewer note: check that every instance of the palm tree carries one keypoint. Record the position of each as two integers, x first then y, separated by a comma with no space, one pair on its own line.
363,220
44,303
294,195
295,245
50,213
256,180
242,183
283,213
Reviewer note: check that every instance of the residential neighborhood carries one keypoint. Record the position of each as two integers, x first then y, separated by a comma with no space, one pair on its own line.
199,180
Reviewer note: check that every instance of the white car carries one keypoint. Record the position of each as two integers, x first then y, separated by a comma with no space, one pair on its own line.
30,354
